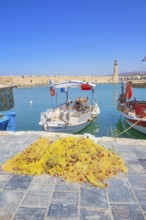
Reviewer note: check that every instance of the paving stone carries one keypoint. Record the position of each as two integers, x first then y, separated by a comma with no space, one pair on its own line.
13,146
44,179
142,161
63,211
3,159
38,188
36,199
31,138
93,197
15,140
26,213
139,151
64,205
17,182
125,152
8,203
3,179
60,197
4,151
9,148
127,212
65,197
7,138
10,153
18,139
65,186
138,181
125,149
134,166
27,142
87,214
119,190
141,196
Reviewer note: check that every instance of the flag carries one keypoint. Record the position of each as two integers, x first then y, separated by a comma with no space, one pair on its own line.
50,82
62,89
52,91
144,59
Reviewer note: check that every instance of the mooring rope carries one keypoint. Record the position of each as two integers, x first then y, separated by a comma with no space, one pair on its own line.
115,136
127,129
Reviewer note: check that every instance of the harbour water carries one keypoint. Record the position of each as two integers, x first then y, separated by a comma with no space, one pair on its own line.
31,101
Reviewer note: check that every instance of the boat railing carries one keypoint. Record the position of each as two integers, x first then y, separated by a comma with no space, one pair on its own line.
57,106
61,106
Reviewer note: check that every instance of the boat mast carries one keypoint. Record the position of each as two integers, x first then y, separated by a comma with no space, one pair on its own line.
122,88
66,94
93,92
65,89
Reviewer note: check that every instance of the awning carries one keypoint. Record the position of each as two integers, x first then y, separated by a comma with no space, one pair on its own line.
72,84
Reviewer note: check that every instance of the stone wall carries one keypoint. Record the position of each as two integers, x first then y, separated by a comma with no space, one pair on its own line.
43,80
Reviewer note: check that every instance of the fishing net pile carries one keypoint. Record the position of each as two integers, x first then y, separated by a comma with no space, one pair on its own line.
77,159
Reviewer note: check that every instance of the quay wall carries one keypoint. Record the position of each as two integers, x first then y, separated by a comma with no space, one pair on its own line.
24,81
20,81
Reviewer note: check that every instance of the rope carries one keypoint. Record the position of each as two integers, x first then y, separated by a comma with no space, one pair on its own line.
127,129
114,136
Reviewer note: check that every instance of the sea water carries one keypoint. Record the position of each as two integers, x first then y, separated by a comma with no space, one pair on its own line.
31,101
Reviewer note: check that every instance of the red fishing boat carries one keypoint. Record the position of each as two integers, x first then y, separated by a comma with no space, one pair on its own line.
133,111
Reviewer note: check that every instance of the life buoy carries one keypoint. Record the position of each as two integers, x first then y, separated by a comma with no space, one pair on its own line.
128,91
52,91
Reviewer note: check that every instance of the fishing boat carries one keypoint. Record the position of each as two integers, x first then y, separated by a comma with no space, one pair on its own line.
133,111
7,118
70,116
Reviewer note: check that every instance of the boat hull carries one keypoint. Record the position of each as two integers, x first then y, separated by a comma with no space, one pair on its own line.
69,129
4,123
140,124
7,121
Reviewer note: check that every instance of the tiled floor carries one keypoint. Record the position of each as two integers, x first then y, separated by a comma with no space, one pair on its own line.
49,198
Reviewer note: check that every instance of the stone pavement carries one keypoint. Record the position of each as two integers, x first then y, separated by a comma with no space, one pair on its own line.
49,198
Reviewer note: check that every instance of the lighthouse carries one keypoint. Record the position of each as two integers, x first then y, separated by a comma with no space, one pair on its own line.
116,79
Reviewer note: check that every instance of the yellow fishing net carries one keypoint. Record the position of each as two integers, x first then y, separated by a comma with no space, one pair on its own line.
77,159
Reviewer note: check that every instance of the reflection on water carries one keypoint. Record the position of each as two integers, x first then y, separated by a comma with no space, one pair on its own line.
129,133
116,92
93,128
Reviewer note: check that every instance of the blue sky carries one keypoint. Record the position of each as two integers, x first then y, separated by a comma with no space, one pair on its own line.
71,37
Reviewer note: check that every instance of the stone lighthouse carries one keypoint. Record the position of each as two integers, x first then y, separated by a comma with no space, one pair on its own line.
116,78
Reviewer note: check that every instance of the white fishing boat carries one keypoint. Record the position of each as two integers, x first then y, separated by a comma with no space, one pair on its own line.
70,116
